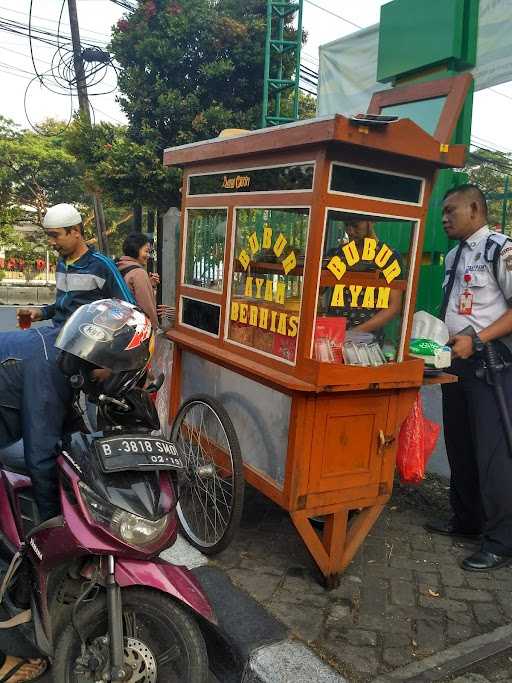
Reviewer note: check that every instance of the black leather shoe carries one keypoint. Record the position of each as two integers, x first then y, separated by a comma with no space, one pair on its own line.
483,561
450,528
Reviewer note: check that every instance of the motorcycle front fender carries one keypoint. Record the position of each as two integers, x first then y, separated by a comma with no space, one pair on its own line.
176,581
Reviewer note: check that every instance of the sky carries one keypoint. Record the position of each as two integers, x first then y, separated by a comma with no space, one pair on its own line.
324,21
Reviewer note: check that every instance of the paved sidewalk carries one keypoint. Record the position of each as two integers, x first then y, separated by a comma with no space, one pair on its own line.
402,599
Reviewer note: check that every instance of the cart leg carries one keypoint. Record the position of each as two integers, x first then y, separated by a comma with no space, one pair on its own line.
339,542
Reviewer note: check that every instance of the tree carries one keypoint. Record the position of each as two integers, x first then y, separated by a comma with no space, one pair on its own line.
188,70
36,170
488,169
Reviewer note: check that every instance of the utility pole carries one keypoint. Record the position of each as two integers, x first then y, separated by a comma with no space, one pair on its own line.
83,101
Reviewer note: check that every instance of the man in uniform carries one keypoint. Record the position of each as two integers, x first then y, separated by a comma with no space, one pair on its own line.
477,309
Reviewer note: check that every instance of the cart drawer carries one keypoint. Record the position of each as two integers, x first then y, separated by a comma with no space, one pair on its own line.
347,443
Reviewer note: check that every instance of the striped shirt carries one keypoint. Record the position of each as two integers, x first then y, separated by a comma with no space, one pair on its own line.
92,277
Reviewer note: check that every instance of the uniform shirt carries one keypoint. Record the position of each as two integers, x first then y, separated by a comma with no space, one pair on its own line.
491,298
92,277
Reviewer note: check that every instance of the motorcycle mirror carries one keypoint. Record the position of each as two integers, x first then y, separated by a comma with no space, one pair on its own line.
76,381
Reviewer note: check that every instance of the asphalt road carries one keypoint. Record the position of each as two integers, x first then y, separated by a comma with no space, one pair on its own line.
8,318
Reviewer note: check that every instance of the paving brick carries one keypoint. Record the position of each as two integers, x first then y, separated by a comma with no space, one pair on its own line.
363,660
504,598
455,577
260,586
396,656
387,623
433,577
375,552
394,639
429,635
373,596
424,565
387,572
458,632
487,614
403,593
442,604
339,614
422,542
482,581
360,637
307,624
470,594
429,588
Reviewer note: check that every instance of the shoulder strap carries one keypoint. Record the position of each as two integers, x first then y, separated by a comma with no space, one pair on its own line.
124,272
493,247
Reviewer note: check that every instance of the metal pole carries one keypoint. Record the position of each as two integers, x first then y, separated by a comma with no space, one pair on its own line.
504,212
266,75
83,101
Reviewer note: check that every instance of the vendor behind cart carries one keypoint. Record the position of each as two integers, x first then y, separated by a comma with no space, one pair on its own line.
366,320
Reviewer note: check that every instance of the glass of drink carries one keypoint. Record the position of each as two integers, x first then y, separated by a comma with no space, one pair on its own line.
24,320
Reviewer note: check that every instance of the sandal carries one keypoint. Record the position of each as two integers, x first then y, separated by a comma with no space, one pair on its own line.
43,665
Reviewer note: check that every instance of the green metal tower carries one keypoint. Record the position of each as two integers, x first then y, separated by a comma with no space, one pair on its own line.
275,85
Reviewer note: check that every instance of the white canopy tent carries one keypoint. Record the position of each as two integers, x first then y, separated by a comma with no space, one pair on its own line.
348,66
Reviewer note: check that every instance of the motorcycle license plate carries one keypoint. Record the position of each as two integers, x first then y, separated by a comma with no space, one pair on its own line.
136,452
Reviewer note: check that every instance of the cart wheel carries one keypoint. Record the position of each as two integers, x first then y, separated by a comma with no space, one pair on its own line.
211,488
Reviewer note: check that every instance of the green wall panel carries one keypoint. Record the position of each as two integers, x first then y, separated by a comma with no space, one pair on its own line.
417,35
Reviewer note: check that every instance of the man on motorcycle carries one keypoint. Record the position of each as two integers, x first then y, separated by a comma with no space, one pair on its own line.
34,394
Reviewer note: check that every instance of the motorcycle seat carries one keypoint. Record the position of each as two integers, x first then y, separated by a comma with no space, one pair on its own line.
12,458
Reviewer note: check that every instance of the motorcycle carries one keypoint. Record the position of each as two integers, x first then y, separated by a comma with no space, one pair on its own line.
103,606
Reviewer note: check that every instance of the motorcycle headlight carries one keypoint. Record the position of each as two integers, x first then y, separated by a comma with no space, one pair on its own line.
126,526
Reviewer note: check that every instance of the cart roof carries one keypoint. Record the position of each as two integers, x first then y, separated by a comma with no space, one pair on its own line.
402,138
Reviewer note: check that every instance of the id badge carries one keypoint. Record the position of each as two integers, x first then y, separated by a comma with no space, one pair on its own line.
465,303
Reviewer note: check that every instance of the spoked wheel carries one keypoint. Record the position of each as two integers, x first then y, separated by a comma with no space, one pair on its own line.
162,643
211,489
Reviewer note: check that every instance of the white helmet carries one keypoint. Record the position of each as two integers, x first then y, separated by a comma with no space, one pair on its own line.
61,216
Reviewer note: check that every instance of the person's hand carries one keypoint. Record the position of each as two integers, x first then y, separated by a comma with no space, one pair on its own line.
168,312
462,346
165,311
36,314
100,374
155,279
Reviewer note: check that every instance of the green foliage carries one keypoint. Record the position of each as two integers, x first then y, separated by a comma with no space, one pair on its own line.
35,169
188,70
488,169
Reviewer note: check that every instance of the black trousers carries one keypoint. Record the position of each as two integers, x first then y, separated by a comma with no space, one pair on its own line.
481,466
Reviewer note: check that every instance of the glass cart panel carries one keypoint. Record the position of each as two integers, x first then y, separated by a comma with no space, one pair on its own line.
364,288
266,287
204,248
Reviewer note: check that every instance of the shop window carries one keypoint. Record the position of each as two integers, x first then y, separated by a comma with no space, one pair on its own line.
365,182
363,289
204,249
199,314
266,287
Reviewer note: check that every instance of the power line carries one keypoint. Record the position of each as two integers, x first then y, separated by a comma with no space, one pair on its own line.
328,11
51,21
498,92
494,145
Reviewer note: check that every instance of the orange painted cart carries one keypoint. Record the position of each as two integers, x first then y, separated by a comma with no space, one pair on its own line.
292,238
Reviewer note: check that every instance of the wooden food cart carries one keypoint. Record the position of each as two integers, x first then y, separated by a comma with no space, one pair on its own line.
271,285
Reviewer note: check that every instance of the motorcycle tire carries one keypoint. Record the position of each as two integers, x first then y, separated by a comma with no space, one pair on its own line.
157,631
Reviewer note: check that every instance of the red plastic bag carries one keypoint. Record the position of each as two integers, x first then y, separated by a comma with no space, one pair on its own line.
416,442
